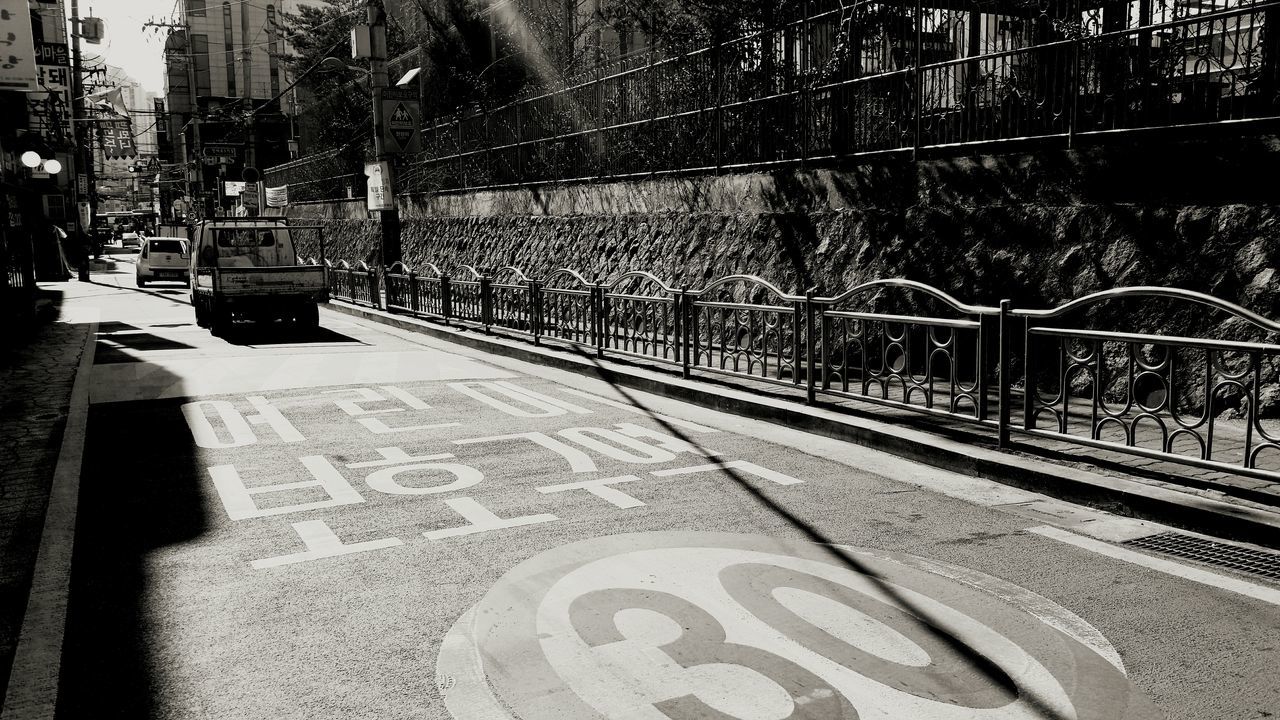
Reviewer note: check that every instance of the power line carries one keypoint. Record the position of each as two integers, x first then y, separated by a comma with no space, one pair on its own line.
285,38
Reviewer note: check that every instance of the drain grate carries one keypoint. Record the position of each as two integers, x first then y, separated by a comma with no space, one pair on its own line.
1255,562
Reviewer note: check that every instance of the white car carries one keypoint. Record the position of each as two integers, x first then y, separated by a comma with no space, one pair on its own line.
163,258
130,239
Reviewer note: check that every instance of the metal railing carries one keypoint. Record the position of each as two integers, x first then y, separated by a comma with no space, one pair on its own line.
358,284
855,80
875,77
1009,370
328,175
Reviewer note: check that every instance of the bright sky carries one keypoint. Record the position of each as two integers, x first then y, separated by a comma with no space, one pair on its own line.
125,43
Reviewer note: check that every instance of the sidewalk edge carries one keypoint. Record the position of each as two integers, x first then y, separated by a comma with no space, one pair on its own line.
37,661
1116,495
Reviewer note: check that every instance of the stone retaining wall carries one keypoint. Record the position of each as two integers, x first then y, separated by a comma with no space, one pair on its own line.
1038,227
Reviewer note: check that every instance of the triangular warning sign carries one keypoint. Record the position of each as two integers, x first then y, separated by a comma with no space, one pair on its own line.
401,115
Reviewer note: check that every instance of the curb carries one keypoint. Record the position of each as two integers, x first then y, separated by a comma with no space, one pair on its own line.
1111,494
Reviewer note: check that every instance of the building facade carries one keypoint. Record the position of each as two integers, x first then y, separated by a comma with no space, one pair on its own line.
122,181
224,62
37,207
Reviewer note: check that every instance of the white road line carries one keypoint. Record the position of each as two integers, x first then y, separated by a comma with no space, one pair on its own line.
37,661
1187,572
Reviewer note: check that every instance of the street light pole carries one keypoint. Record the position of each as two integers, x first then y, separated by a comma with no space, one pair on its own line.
388,220
78,164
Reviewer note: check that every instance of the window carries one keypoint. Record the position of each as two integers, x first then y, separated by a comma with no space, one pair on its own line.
53,208
168,246
229,47
195,7
246,237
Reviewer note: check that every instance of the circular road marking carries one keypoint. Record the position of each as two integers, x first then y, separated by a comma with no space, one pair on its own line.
718,625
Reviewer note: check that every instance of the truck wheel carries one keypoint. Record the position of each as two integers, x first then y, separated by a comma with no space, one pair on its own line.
309,317
219,321
201,320
141,282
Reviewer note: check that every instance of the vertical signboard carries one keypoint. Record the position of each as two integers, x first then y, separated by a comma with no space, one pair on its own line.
50,110
18,69
400,112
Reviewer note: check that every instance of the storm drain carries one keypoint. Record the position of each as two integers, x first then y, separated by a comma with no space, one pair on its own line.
1244,559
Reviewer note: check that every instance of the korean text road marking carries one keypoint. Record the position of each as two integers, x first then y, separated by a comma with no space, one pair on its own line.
321,542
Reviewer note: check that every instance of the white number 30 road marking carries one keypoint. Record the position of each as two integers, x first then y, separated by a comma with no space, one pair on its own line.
711,625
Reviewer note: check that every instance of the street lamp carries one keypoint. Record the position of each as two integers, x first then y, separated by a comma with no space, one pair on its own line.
53,167
31,159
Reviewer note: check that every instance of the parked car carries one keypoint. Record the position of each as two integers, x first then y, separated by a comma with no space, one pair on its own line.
163,258
131,239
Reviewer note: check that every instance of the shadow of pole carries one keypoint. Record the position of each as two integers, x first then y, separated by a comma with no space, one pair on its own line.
986,667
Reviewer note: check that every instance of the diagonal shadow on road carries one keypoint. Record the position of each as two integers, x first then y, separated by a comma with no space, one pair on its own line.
933,628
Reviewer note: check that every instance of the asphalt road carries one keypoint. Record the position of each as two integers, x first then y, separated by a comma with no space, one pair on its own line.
362,523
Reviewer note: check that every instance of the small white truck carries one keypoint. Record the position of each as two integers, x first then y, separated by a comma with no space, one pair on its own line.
247,269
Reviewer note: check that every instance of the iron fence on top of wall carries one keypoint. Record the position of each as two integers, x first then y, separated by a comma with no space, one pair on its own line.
1008,370
848,81
875,77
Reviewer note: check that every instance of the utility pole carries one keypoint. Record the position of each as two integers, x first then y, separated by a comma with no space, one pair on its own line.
249,174
78,164
195,187
388,220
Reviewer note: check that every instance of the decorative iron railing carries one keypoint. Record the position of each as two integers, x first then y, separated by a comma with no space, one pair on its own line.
1156,396
1011,370
358,284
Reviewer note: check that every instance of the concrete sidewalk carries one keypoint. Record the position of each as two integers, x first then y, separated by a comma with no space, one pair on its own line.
37,372
1163,492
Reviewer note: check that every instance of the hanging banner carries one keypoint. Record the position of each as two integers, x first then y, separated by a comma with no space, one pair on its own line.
379,174
278,196
117,139
18,69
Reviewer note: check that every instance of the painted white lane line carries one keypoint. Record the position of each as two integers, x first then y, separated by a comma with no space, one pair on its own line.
37,661
1194,574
